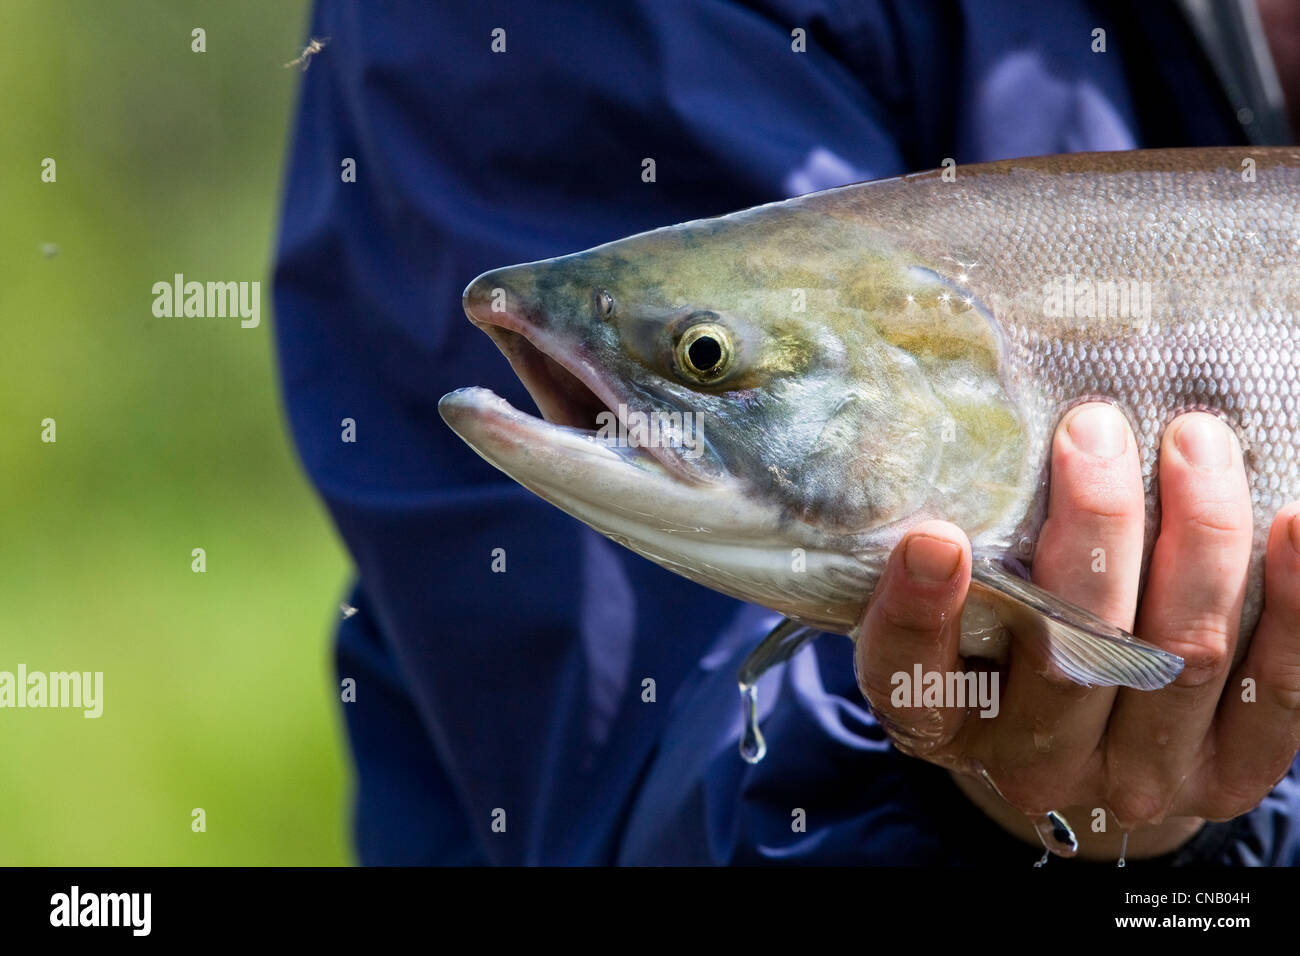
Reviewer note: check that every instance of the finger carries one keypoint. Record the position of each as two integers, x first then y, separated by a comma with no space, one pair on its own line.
1192,607
913,626
1089,552
1257,729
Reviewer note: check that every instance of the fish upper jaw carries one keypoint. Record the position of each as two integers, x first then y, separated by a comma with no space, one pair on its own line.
574,392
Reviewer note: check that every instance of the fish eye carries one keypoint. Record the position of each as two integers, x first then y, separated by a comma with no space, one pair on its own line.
604,304
704,351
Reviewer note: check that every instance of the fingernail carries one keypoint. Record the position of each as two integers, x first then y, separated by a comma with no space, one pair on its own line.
1098,430
1205,442
930,559
1293,530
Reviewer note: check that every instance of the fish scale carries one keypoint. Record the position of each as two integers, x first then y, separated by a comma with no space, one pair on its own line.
936,343
1223,259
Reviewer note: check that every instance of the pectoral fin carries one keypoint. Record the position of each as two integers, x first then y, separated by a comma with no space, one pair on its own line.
783,642
1087,649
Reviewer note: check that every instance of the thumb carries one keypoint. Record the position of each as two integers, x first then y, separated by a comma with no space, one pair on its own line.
914,618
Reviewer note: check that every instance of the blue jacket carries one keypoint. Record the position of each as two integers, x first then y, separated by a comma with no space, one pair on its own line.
518,698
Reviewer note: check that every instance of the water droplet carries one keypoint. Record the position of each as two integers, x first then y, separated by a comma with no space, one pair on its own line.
753,747
1055,834
1123,849
1042,742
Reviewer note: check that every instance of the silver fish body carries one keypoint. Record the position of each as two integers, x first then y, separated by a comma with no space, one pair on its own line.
901,350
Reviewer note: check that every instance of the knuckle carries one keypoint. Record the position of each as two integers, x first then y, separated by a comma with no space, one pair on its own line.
1025,793
1205,647
1137,803
1104,496
1044,672
926,740
1217,518
908,615
877,689
923,732
1042,782
1231,798
1282,691
1064,686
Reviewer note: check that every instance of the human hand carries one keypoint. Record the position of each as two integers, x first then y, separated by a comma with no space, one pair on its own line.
1161,762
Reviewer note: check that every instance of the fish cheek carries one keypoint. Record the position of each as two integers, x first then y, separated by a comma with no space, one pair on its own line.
875,460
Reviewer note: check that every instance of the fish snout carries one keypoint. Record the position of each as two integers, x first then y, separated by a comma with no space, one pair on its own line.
479,295
503,298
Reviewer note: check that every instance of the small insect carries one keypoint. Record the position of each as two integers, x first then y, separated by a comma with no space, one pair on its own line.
311,49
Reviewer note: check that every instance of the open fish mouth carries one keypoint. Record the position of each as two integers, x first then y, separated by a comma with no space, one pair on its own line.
688,514
532,449
573,395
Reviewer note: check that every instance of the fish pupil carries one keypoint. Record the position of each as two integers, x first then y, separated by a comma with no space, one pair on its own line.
705,353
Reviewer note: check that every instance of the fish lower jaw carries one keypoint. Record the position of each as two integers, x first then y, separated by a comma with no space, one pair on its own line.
574,394
525,446
713,533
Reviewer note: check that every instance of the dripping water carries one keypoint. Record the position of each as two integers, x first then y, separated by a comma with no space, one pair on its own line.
753,747
1055,834
1052,829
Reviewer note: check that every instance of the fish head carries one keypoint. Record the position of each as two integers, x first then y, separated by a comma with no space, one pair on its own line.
732,397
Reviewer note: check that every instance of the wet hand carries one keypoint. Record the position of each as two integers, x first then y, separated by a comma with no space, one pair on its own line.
1157,763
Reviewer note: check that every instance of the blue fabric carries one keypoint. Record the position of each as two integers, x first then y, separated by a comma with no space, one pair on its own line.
524,692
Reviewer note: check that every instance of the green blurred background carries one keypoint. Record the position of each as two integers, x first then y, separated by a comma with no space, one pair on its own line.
218,688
